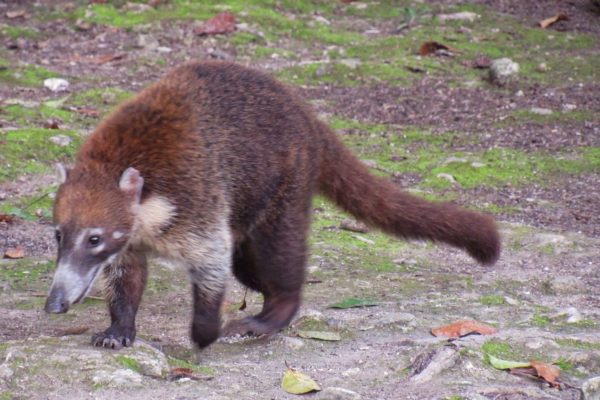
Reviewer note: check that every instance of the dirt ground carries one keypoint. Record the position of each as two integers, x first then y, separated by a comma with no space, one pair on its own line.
542,295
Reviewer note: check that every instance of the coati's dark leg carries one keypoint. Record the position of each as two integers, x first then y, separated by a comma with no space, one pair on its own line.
272,261
206,322
125,282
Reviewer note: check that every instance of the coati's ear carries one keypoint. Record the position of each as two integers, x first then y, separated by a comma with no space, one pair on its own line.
63,172
132,183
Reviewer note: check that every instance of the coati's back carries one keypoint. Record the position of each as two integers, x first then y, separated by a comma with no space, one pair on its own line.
211,129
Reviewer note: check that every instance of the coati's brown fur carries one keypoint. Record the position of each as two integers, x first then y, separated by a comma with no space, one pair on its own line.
214,167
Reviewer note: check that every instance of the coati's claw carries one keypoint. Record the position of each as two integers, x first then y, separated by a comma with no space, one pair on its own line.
249,326
109,341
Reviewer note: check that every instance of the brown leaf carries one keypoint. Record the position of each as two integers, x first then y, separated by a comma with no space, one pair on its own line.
429,48
108,58
354,226
15,252
552,20
221,23
548,372
51,124
180,373
463,328
15,14
481,62
9,219
88,112
74,330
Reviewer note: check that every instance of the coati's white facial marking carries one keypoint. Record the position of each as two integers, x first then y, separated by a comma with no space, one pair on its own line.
150,217
118,235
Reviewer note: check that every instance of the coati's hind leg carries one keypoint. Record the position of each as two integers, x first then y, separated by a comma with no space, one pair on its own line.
272,261
125,282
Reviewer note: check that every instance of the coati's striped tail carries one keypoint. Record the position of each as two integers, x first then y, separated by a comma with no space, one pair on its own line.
376,201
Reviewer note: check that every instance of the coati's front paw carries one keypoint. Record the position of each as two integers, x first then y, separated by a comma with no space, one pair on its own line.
111,339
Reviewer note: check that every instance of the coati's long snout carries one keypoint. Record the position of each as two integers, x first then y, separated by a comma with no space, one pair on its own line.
376,201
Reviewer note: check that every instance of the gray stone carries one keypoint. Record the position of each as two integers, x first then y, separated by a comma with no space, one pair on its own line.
540,111
337,393
147,42
448,177
61,140
443,359
459,16
502,71
56,84
591,389
351,63
121,378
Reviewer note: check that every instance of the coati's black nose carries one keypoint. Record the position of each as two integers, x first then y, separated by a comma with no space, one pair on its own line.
56,302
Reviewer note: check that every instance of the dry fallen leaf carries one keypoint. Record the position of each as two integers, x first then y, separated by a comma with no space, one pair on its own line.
548,372
552,20
108,58
179,373
429,48
463,328
15,14
295,382
9,219
221,23
88,112
15,252
74,330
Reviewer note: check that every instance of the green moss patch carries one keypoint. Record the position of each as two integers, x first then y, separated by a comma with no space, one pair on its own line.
27,151
25,75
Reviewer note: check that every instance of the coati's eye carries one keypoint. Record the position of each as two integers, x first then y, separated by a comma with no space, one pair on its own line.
94,240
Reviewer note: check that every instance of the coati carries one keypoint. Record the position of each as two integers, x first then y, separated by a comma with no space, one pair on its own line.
213,168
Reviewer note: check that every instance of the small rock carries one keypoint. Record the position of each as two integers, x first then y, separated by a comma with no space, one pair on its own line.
353,225
370,163
502,71
351,372
591,389
147,42
571,315
351,63
5,371
448,177
519,93
337,393
137,8
459,16
2,196
164,49
540,111
56,84
322,20
121,378
476,164
430,364
455,160
511,301
569,107
292,342
220,55
542,67
61,140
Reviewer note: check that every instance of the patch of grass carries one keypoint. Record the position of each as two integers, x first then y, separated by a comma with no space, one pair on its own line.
26,116
540,320
25,75
500,349
578,344
201,369
492,300
27,207
103,98
25,274
129,363
27,151
16,32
